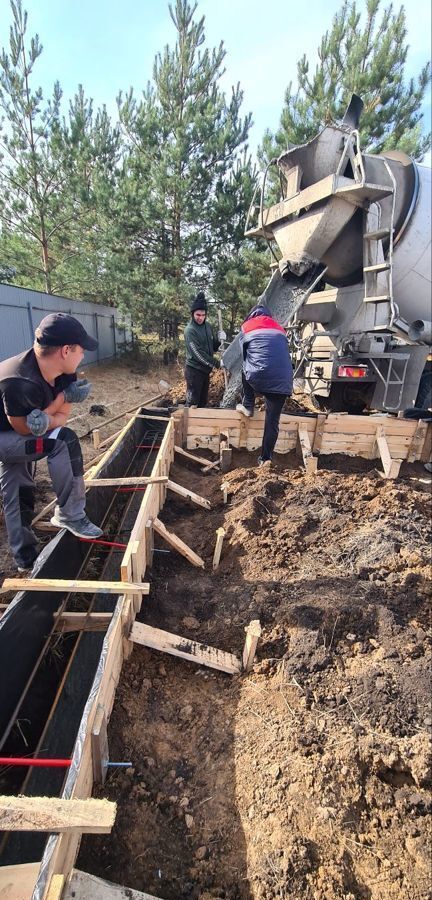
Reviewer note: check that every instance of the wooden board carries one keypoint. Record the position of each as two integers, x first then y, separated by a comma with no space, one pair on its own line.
65,586
188,495
17,882
177,544
82,886
51,814
184,648
123,482
64,847
83,621
334,433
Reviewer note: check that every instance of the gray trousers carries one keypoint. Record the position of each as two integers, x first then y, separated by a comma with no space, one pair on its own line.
17,456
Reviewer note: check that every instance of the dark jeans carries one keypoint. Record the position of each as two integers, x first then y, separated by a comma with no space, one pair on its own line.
273,406
197,386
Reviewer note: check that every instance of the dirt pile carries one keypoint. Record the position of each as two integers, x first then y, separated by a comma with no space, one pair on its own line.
309,778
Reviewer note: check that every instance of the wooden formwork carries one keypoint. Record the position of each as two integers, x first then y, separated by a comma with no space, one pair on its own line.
384,437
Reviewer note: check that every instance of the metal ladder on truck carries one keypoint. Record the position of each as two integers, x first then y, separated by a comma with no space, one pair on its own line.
374,266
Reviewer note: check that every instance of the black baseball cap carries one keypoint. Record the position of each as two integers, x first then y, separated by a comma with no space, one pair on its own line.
59,329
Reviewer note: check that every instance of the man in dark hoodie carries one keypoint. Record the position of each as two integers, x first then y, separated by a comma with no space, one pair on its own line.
201,344
267,370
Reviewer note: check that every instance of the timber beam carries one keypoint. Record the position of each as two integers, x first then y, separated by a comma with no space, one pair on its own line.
68,586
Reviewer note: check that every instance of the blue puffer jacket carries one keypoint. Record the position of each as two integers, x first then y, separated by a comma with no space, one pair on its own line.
266,359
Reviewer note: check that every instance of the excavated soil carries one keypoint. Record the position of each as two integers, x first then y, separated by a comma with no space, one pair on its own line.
309,777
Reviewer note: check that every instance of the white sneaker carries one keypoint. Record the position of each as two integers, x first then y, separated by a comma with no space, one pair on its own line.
242,409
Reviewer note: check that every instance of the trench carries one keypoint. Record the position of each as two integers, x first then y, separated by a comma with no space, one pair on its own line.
46,676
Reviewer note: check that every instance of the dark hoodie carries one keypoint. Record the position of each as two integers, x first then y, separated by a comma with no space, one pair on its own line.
200,346
266,359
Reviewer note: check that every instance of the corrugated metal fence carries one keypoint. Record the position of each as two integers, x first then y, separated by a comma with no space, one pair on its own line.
21,311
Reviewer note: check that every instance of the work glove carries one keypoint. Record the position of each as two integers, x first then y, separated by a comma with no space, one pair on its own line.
38,422
221,335
77,391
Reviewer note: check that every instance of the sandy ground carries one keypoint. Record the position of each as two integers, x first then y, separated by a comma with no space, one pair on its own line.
310,777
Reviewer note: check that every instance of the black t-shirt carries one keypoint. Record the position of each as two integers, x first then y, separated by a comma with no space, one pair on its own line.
23,387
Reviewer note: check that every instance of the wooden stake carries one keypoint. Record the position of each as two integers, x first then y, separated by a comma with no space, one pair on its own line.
310,462
51,814
224,489
225,456
253,633
220,534
177,543
96,438
49,585
185,648
188,495
391,466
99,743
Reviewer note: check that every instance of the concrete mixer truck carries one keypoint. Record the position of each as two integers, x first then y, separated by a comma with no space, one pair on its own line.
351,275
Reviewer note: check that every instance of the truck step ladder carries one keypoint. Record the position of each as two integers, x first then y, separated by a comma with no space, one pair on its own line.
391,372
374,264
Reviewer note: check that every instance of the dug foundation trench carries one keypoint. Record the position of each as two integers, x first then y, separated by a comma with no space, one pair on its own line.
105,653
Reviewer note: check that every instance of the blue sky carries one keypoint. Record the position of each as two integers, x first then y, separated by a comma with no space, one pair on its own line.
109,45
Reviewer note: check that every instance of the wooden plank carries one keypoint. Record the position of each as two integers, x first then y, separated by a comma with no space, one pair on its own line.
391,466
112,448
417,441
64,847
88,887
68,586
220,534
184,648
124,482
55,891
212,465
51,814
253,633
310,462
197,459
188,495
125,412
319,431
83,621
177,544
99,744
105,443
17,882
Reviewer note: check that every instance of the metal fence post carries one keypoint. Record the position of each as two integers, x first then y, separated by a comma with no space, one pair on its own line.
113,326
95,315
30,318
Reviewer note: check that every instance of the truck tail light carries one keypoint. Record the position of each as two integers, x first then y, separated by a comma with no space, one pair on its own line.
352,371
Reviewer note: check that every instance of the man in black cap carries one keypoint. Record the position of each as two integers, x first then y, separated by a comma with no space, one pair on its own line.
200,347
37,388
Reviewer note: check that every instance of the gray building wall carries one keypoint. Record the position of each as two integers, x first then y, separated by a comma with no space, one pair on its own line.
21,311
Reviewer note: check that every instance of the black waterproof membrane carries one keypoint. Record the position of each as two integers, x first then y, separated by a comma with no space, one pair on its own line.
45,679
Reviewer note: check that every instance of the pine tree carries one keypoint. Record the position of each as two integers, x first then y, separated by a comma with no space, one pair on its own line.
27,171
184,142
55,177
363,58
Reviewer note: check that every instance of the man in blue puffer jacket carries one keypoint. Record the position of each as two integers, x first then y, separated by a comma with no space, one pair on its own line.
267,370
